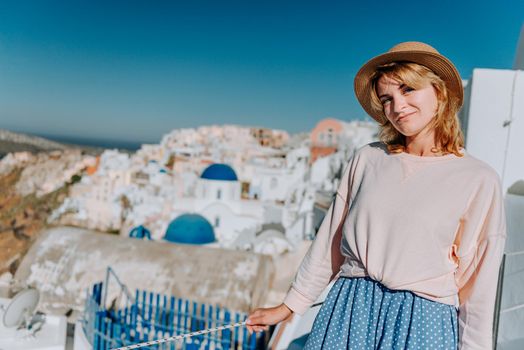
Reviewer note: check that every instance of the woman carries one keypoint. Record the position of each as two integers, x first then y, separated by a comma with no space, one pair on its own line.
416,232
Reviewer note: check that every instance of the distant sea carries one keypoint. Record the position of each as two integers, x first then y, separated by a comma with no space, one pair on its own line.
93,142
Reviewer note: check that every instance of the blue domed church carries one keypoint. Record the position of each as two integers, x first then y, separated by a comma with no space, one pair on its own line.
190,229
222,213
218,182
220,172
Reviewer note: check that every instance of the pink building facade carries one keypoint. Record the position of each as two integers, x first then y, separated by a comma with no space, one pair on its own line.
325,137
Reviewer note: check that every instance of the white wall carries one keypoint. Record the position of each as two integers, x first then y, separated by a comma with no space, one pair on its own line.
230,224
495,126
210,189
511,326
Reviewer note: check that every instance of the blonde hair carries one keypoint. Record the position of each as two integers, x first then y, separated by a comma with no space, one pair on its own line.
448,135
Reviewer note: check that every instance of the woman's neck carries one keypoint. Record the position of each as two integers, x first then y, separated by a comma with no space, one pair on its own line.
422,145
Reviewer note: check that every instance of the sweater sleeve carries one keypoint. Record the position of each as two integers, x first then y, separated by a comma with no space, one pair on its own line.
480,244
323,259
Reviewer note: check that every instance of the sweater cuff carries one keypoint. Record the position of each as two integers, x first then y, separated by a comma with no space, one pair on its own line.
297,302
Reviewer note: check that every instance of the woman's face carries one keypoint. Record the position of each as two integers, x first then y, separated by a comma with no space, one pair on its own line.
409,110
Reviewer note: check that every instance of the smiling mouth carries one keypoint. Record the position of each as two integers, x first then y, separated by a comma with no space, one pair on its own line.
404,116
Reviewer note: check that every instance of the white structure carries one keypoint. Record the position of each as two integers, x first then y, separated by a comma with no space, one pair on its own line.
161,182
94,202
273,179
218,199
52,335
264,180
511,326
64,261
493,121
358,133
325,169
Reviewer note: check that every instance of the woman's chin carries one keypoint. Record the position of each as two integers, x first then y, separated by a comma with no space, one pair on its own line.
406,131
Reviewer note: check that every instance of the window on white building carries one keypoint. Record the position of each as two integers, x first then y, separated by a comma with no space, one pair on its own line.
217,221
219,193
329,137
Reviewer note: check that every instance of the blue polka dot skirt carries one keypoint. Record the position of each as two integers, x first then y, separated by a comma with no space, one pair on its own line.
360,313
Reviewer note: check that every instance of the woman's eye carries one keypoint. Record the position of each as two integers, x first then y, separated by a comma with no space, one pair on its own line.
385,101
407,89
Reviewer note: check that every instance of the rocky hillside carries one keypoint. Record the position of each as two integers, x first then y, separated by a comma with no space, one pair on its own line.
11,142
32,185
15,142
21,219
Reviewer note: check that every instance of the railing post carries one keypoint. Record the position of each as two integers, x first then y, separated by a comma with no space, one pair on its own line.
226,334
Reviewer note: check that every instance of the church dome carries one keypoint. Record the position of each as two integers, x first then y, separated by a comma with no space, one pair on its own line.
190,229
221,172
140,232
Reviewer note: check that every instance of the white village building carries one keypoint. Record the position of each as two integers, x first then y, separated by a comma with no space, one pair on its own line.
253,197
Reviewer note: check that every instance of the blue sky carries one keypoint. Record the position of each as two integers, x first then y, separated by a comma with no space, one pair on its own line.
134,70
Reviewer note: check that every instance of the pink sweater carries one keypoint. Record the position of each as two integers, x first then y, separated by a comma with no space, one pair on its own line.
431,225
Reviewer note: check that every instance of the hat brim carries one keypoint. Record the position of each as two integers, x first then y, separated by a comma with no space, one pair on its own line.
434,61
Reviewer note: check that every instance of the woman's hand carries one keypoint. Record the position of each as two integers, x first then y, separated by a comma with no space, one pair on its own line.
260,319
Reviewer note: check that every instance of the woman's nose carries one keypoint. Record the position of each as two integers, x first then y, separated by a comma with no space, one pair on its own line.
399,104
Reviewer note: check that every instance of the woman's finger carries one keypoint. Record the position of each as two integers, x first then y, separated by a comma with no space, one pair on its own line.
257,317
268,316
260,328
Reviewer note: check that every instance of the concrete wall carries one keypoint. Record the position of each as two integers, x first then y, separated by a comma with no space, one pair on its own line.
65,261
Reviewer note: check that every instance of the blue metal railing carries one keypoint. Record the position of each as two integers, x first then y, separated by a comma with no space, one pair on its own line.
148,316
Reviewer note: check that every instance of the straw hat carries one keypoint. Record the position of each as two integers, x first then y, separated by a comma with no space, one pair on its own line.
411,51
